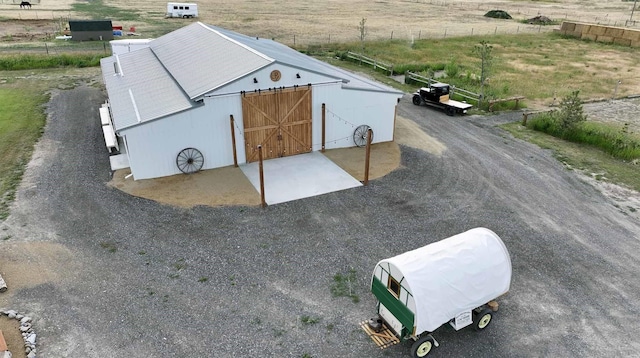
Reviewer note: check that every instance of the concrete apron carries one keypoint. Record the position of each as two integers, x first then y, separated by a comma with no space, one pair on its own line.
298,176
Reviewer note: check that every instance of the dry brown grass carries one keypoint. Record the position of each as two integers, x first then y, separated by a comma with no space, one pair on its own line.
321,21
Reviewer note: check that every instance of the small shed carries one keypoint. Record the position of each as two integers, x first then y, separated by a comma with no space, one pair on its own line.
422,289
91,30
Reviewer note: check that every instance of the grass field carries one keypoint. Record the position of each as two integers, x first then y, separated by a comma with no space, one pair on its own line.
541,67
21,122
586,159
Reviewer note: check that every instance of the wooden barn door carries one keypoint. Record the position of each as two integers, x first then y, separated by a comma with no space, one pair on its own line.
279,120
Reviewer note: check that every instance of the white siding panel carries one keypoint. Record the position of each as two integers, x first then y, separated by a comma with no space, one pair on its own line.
153,148
288,79
346,110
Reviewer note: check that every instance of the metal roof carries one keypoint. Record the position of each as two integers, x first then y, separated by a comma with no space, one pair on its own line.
201,59
286,55
185,64
142,89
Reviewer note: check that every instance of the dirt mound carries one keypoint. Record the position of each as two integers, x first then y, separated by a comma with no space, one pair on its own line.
540,20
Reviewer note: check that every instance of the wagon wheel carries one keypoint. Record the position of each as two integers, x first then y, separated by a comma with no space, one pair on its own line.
360,135
482,319
189,160
450,111
422,346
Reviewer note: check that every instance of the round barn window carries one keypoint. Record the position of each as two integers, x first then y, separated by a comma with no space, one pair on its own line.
275,75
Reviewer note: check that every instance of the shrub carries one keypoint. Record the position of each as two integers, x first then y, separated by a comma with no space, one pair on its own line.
617,142
571,113
498,14
452,69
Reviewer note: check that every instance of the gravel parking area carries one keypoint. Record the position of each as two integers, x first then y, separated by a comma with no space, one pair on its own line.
106,274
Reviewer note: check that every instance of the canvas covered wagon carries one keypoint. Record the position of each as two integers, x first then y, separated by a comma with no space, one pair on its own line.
455,281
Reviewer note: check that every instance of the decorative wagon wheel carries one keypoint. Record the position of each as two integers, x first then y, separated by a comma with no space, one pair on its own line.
360,135
189,160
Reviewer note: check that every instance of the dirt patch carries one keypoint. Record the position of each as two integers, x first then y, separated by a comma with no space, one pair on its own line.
229,186
29,30
24,265
215,187
626,200
11,331
34,263
410,134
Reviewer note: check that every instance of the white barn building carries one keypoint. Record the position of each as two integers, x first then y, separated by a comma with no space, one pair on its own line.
194,95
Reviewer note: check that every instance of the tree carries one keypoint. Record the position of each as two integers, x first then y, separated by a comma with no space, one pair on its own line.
362,28
571,112
483,52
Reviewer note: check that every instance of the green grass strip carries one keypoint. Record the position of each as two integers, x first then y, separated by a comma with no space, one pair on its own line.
28,62
21,123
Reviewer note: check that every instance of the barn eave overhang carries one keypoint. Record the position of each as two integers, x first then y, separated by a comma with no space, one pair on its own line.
147,121
375,90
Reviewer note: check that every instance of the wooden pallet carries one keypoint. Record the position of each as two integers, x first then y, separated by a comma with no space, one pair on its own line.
383,339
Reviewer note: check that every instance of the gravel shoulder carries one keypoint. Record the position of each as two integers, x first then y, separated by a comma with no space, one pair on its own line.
104,273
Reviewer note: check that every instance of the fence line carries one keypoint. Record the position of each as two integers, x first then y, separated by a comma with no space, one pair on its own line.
297,40
370,61
57,48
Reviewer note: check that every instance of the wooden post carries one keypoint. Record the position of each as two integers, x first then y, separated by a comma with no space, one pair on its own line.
233,142
524,119
262,201
366,159
324,108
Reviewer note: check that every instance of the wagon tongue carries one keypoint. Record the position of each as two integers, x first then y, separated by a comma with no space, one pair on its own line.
381,335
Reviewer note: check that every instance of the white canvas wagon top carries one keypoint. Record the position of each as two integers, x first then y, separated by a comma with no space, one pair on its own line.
446,278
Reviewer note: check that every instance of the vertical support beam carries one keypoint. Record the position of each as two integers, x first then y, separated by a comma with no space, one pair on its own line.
524,119
324,118
262,201
233,142
367,156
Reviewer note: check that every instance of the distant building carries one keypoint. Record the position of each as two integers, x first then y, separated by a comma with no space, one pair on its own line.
91,30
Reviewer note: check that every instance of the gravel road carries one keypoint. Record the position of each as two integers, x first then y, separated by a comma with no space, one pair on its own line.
128,277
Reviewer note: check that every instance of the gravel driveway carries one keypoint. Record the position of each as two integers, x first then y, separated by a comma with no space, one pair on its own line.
128,277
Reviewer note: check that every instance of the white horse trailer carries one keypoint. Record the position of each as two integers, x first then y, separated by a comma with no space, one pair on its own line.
181,9
455,281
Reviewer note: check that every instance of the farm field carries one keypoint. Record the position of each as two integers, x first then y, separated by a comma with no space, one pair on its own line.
313,22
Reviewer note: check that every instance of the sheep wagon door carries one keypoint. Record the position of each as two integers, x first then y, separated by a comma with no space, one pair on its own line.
279,120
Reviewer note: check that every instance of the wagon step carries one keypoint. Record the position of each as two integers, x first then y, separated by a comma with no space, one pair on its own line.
384,338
